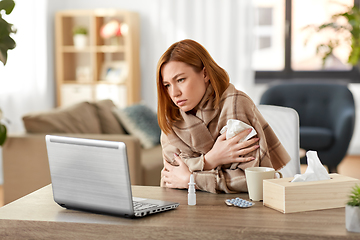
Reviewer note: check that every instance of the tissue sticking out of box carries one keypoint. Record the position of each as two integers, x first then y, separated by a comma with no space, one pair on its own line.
234,126
315,170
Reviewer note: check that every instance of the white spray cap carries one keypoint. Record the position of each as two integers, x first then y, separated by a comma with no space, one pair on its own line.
191,179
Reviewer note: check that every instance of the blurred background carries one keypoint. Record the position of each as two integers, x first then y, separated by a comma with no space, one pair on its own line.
258,42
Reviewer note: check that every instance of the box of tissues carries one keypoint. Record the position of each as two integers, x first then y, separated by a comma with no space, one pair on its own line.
307,192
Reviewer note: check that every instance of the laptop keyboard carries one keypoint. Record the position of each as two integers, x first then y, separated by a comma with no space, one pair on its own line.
138,206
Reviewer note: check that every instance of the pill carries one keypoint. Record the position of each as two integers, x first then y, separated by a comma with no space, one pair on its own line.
239,202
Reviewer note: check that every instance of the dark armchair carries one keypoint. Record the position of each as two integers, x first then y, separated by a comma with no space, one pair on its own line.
327,116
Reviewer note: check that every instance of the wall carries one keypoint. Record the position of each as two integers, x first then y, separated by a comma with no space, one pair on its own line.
149,23
150,52
223,28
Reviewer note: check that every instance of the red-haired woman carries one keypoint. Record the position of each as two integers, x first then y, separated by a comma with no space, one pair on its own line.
195,100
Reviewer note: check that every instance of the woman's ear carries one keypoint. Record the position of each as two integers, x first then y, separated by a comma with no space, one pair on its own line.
206,76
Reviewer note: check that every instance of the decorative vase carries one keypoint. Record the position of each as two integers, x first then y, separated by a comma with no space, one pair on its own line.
352,218
80,41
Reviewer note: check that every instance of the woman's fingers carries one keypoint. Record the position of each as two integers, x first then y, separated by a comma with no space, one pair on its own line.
242,135
245,144
167,165
245,159
168,185
246,150
165,174
222,136
178,160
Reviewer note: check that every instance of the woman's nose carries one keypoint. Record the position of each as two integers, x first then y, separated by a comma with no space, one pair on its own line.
175,91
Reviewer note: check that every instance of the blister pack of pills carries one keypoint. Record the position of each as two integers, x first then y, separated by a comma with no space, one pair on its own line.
238,202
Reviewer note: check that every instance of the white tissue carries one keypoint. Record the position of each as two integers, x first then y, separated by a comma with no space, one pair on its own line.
315,170
234,126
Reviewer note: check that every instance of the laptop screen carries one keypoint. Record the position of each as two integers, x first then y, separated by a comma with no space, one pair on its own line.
90,174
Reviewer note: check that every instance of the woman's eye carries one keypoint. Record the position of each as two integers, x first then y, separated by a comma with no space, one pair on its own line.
167,85
181,80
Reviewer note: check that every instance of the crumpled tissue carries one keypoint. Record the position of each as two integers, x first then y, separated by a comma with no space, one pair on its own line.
315,170
234,126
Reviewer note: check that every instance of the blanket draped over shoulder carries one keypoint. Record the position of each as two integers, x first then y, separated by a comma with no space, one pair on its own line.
193,136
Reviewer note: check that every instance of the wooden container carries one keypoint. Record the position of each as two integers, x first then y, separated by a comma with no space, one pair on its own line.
289,197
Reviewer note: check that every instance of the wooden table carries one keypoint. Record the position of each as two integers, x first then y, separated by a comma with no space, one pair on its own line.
37,216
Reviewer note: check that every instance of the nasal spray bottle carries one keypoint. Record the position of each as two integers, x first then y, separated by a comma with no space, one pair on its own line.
191,191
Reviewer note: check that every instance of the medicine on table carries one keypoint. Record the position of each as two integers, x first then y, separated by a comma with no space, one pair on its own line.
238,202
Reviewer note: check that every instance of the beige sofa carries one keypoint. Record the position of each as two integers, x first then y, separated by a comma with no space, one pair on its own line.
25,162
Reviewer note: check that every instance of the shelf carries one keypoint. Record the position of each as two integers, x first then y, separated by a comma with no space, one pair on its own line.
110,49
110,83
104,49
79,71
77,82
72,49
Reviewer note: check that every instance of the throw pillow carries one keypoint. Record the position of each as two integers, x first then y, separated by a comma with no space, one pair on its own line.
140,121
78,118
109,123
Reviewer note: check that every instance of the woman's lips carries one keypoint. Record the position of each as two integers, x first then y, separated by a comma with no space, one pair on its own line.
181,102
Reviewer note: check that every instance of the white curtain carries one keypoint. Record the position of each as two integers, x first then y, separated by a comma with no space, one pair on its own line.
224,28
24,86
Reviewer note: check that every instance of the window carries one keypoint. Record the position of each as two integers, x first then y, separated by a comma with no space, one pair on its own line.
269,35
280,35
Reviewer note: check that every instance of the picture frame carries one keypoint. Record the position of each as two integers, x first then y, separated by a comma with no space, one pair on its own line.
115,72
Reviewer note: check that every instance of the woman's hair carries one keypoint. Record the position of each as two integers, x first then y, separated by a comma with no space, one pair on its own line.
195,55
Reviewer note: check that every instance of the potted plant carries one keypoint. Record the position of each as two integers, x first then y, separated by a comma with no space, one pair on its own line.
345,32
6,43
352,211
80,37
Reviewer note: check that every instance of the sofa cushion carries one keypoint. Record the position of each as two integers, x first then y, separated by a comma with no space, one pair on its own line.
108,122
79,118
315,138
140,121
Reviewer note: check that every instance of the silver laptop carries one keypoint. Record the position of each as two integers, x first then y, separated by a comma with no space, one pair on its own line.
93,175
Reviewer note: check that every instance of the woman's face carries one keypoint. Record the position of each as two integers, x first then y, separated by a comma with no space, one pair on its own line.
184,86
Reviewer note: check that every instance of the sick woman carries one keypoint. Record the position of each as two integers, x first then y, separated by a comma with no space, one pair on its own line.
195,101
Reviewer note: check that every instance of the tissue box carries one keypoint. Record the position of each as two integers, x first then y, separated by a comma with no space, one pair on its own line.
287,197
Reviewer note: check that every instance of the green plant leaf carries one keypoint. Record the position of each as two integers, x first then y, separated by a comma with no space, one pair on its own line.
354,199
80,30
7,5
6,42
2,134
341,33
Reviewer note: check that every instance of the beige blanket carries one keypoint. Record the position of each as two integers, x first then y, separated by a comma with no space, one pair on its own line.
192,137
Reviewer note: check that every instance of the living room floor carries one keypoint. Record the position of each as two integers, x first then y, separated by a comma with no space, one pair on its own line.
350,166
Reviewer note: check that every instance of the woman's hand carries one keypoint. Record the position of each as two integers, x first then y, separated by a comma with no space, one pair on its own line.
230,151
176,176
